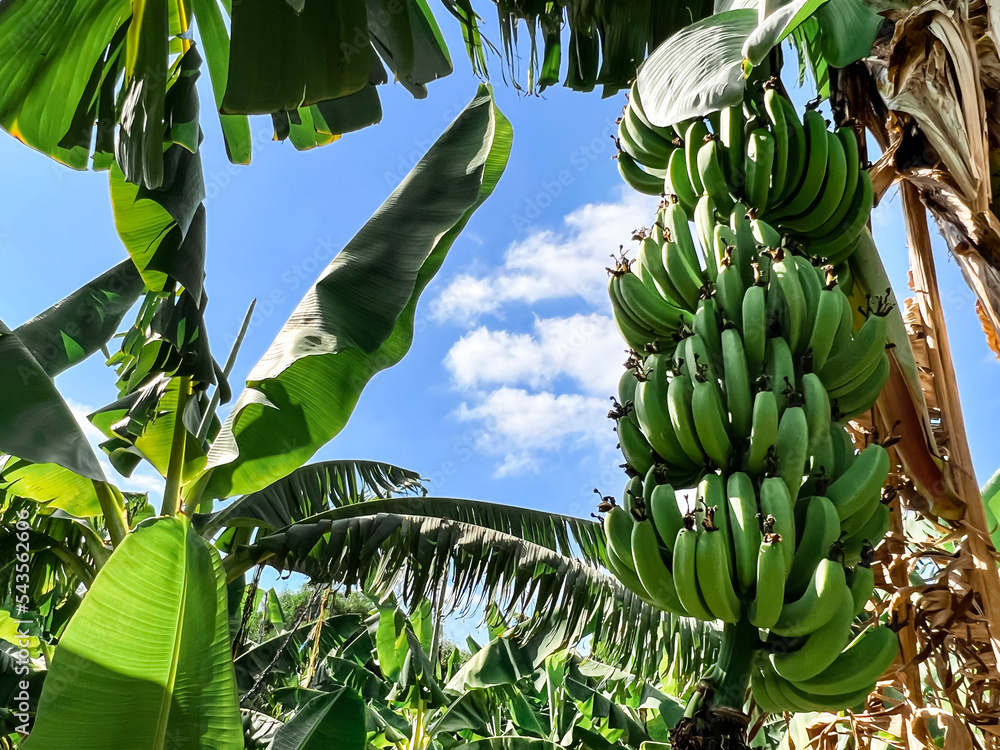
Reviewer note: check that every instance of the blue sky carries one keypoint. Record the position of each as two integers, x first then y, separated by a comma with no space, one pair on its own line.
504,394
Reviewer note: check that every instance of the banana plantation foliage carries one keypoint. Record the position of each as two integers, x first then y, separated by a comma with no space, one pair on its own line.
800,553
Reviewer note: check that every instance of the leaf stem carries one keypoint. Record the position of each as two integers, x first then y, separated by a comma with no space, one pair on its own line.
175,468
114,513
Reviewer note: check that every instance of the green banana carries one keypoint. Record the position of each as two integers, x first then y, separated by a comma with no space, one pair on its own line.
652,413
649,308
723,242
686,573
821,647
859,666
872,532
859,483
797,155
839,241
629,143
817,146
704,224
861,581
849,142
711,493
758,167
859,520
779,125
818,604
665,514
679,255
679,404
632,495
818,411
811,702
792,449
635,334
650,259
786,272
637,178
710,421
706,326
650,141
712,565
761,697
811,279
820,531
736,379
712,175
626,576
697,354
775,501
843,450
653,573
677,183
729,292
754,311
828,200
618,524
764,233
744,528
863,396
731,122
850,367
637,451
828,316
780,370
746,245
694,139
766,606
763,433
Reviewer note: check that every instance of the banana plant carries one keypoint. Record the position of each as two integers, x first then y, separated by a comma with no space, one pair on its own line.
419,693
158,583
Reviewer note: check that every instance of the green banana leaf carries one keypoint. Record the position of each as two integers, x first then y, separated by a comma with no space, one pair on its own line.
49,46
991,505
778,25
35,422
309,490
381,552
697,70
335,719
146,659
83,322
357,319
847,31
52,486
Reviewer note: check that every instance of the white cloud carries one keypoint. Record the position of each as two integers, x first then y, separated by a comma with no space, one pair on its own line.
584,348
520,426
550,264
532,394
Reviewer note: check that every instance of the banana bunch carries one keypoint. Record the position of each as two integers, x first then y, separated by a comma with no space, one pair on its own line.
803,178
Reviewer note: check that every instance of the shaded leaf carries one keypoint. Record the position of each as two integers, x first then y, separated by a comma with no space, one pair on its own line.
35,422
698,70
47,46
358,318
83,322
162,594
335,719
847,30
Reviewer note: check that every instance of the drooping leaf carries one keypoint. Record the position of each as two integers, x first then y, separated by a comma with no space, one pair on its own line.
358,318
335,719
35,422
382,552
215,43
153,635
991,504
51,46
776,27
310,490
847,30
139,147
282,57
83,322
697,70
